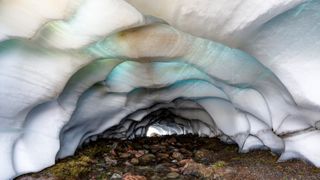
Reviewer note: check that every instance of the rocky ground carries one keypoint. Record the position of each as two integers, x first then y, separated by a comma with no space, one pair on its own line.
172,157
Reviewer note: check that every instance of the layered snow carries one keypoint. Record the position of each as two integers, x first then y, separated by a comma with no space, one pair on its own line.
72,71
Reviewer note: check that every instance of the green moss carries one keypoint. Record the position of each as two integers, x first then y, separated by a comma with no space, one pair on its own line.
70,168
78,165
219,164
95,150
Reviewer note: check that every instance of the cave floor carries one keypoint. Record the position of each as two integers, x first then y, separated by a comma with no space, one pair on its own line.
172,157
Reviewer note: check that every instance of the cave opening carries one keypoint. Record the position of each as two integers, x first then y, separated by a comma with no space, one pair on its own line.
160,121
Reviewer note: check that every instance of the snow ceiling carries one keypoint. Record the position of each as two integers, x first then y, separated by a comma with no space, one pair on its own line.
246,71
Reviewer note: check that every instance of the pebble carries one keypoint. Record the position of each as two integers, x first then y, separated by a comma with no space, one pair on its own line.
161,168
172,175
185,161
133,177
162,156
116,176
147,158
201,154
156,148
145,168
110,162
174,161
146,146
172,140
155,177
125,155
134,161
178,156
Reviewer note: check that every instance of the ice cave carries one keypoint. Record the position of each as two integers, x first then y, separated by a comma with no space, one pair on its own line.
245,71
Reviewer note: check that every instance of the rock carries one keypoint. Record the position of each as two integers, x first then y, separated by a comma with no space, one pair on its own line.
162,156
185,161
139,153
164,144
201,155
229,170
197,169
133,177
110,162
172,140
185,151
174,161
125,155
198,154
136,154
173,169
173,175
145,168
147,158
155,177
116,176
161,168
178,156
156,148
127,163
134,161
146,146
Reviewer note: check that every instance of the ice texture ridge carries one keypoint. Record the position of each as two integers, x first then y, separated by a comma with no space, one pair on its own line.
71,71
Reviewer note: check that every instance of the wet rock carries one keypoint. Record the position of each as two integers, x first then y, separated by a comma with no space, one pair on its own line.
147,158
173,175
178,156
116,176
174,161
134,161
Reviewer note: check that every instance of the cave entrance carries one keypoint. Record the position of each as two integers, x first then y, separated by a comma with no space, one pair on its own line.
159,123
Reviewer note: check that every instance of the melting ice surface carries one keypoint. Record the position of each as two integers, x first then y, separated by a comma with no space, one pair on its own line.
245,71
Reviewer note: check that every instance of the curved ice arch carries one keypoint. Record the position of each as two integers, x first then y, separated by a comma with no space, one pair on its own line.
247,76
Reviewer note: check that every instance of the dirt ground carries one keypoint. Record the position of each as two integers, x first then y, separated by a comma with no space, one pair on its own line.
172,157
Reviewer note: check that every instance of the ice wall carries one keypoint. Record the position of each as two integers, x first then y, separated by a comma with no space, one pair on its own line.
71,71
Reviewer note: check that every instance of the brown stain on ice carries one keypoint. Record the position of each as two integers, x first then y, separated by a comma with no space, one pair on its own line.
156,41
